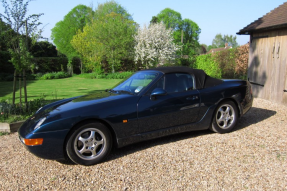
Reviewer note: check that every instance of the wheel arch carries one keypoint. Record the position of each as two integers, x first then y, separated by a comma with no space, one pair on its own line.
235,101
237,108
224,100
85,121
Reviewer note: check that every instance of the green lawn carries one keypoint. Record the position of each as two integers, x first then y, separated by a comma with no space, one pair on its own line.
57,88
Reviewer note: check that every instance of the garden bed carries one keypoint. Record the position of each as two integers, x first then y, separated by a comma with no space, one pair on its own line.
10,127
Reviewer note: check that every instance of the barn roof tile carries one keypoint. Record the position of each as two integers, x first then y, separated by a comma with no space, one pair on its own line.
277,18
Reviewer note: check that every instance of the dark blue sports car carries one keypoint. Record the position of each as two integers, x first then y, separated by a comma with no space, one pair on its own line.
149,104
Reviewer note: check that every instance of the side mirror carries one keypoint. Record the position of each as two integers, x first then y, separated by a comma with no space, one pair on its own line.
157,92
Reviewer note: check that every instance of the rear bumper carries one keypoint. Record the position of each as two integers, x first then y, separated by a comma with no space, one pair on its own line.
247,106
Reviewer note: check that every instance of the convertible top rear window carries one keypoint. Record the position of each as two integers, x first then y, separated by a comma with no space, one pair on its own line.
202,80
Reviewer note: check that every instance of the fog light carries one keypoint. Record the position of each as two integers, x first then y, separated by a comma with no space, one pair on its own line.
33,142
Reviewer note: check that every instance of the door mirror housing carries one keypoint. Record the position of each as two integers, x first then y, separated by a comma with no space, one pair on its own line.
157,92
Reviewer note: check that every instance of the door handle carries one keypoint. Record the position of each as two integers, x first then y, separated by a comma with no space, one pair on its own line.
192,98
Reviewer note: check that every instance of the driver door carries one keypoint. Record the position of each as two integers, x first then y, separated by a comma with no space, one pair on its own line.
178,107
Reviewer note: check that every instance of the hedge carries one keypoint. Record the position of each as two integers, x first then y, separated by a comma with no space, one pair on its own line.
229,64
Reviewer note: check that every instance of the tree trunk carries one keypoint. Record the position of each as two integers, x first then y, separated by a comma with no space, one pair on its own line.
181,42
81,66
14,87
113,60
25,87
24,71
20,89
113,68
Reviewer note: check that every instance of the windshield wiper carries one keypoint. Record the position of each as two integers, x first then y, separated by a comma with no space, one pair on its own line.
111,91
124,91
119,91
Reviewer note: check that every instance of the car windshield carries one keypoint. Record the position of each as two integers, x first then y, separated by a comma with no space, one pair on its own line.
136,83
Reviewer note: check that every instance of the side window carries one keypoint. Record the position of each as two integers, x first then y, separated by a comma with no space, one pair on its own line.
159,84
178,82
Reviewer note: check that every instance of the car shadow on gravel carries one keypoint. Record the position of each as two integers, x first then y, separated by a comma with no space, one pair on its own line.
136,147
253,116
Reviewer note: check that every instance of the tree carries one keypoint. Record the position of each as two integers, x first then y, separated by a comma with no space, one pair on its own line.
109,7
64,30
5,29
211,47
109,36
20,28
154,20
202,49
190,37
170,18
154,45
115,33
43,49
89,47
220,41
5,65
185,32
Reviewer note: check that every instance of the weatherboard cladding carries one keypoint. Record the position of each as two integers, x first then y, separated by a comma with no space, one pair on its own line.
277,18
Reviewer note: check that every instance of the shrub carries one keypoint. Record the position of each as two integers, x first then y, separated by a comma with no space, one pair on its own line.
93,75
5,65
116,75
53,75
241,59
6,77
50,64
38,75
207,63
232,63
16,112
47,76
226,62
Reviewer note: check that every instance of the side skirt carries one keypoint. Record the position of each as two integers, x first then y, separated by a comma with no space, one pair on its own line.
203,124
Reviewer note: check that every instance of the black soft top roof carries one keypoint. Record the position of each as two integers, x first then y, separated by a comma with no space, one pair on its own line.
201,78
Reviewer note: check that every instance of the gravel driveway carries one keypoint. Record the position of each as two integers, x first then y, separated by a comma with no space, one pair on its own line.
252,157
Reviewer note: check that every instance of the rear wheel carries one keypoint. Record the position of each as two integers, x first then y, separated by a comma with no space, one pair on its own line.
90,144
225,117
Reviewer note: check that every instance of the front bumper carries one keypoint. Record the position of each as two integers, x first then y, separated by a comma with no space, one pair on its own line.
52,147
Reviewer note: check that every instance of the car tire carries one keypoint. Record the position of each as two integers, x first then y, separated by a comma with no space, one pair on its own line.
225,117
89,144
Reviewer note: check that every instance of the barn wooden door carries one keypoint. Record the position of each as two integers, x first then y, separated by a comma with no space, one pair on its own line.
267,65
280,66
257,66
281,61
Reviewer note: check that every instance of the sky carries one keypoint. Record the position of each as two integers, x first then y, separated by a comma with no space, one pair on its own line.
212,16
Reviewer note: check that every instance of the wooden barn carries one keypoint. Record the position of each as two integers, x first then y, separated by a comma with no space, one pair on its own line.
267,65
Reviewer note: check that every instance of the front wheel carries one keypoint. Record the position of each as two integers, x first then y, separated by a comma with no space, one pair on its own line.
90,144
225,117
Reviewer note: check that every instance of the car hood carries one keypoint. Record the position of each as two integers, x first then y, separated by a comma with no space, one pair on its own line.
79,102
71,109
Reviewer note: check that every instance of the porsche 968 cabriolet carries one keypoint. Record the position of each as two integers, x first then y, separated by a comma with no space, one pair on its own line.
149,104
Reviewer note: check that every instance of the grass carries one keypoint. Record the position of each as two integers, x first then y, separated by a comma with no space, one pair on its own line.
57,88
3,133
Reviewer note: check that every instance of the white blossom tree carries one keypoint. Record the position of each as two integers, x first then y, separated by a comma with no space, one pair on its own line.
154,45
